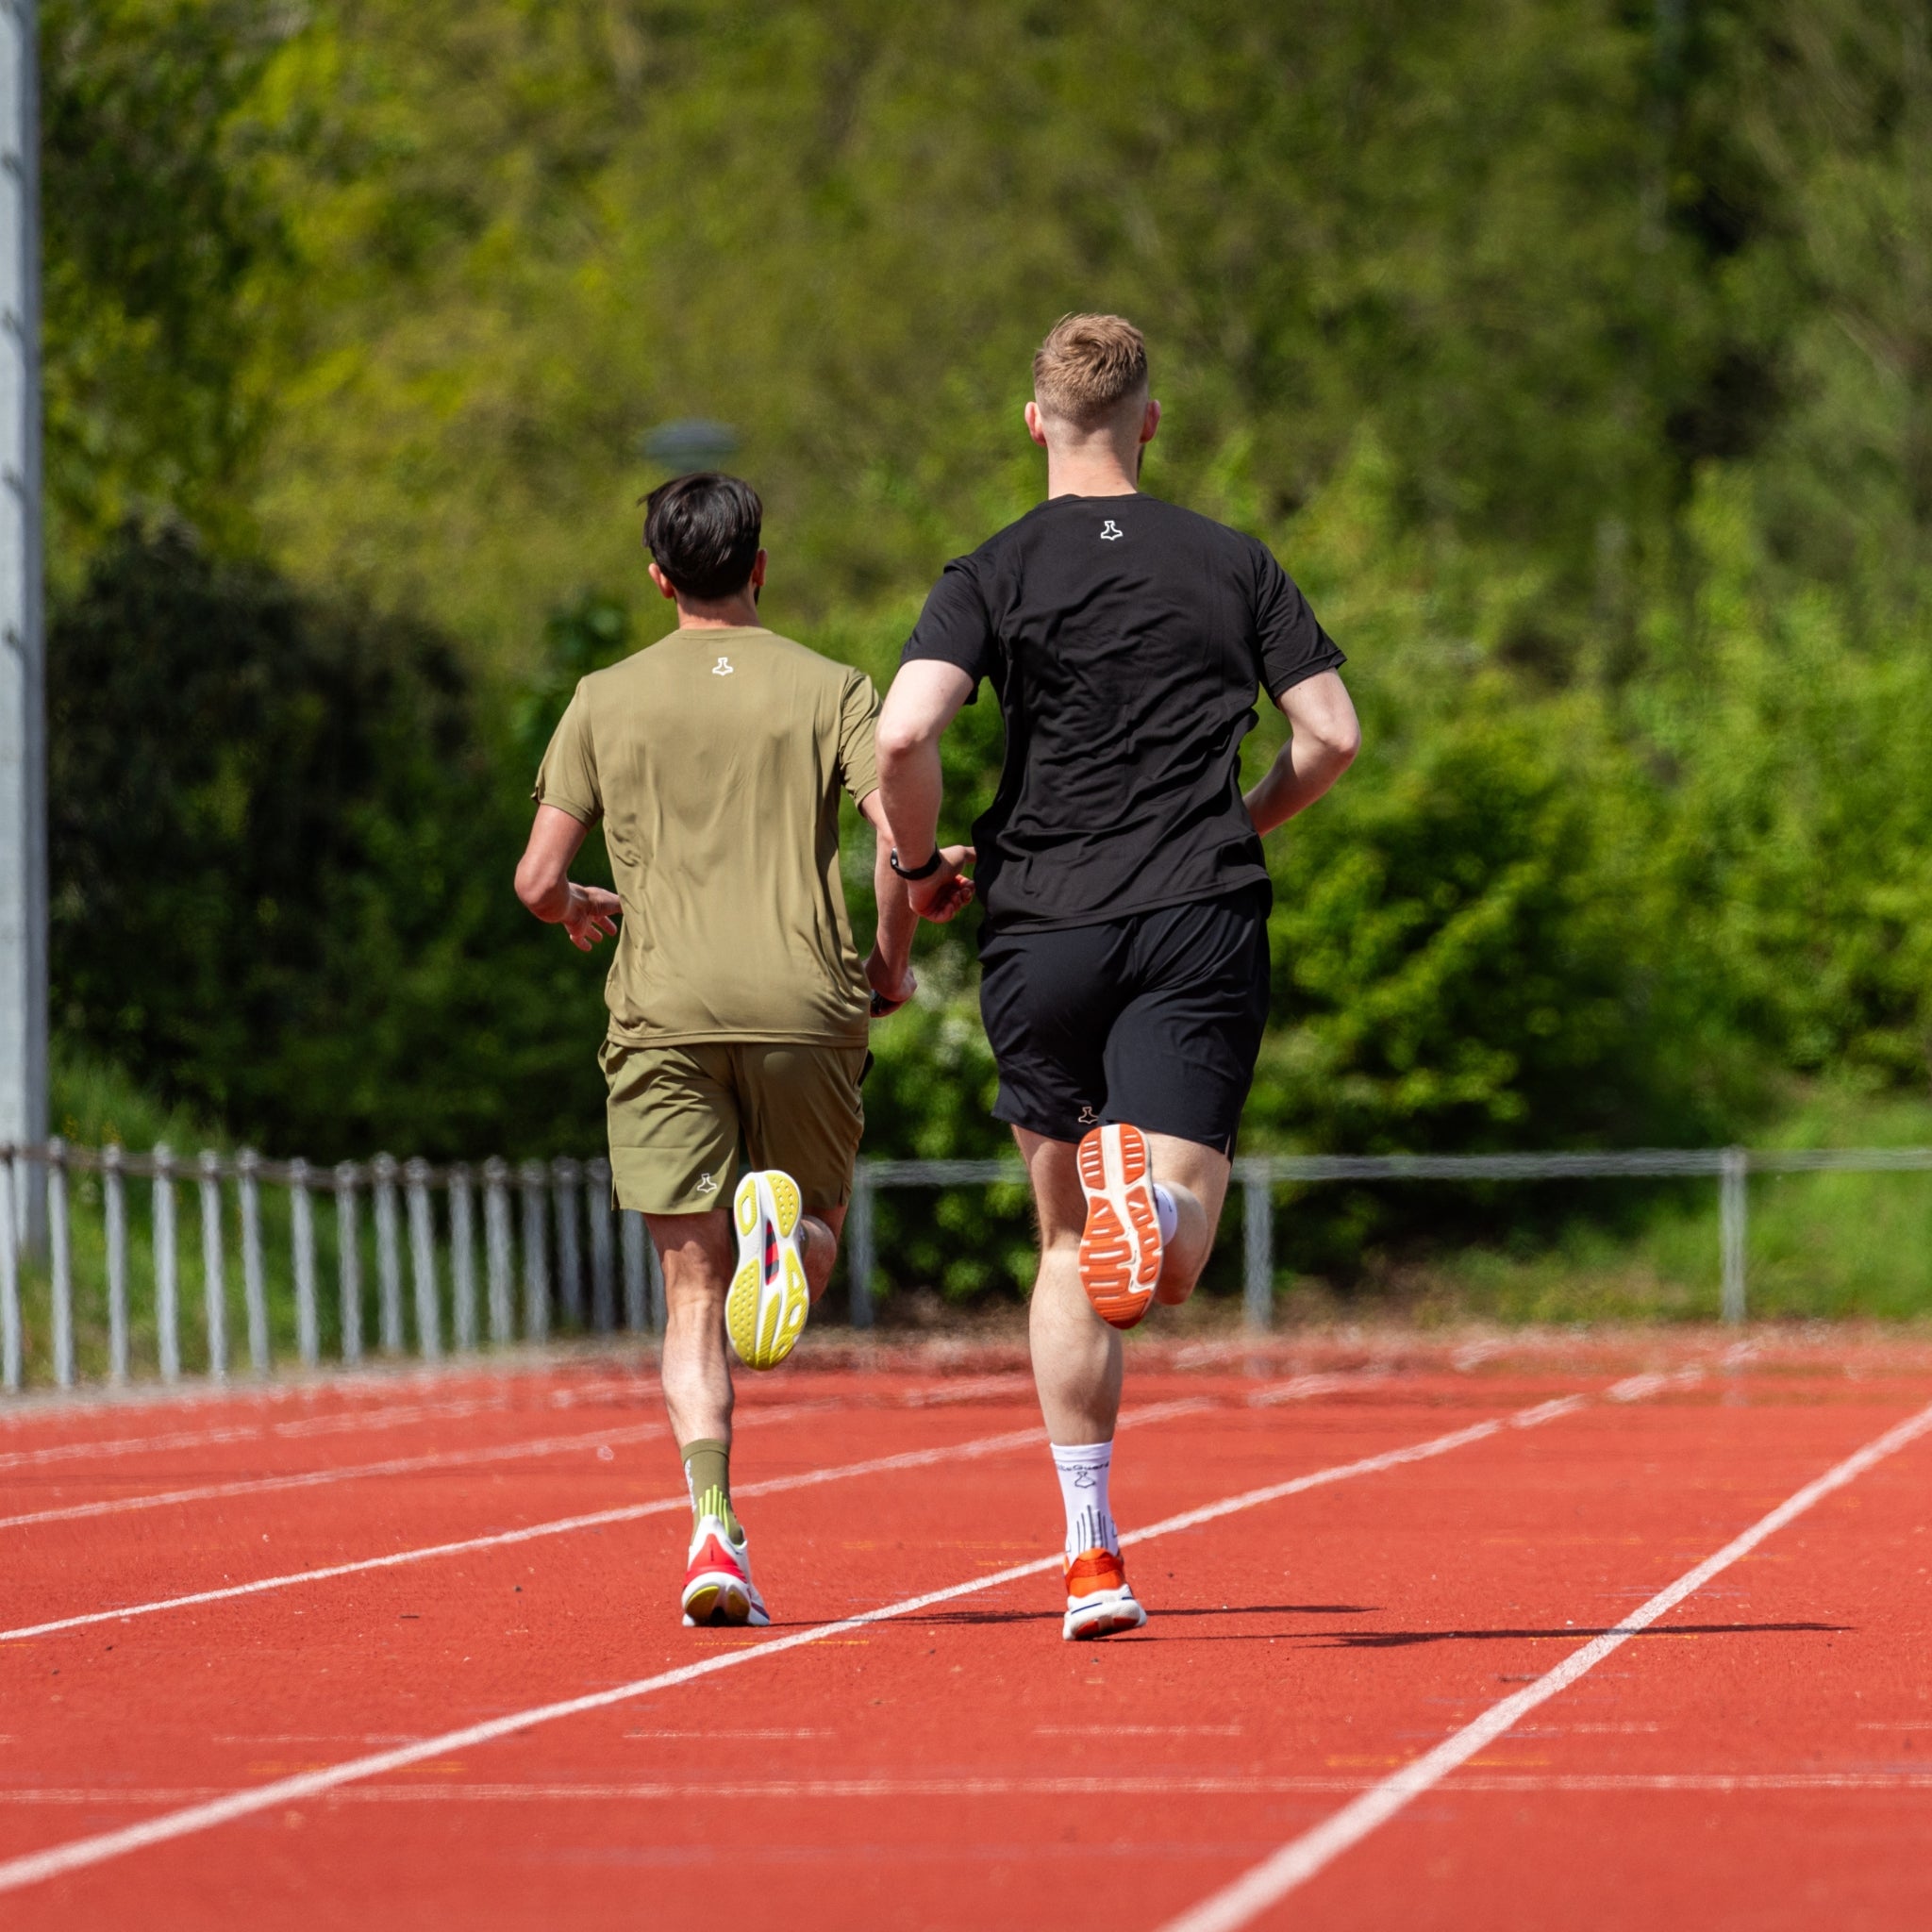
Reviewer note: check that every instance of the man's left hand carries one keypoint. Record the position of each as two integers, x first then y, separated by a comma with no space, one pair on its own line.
592,915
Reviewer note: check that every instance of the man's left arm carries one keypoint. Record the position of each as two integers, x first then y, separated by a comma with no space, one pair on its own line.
1324,737
587,913
925,697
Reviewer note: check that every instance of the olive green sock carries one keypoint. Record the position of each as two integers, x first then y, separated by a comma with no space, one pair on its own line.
707,1474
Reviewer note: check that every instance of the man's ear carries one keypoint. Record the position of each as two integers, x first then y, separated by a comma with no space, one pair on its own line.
1035,425
1150,421
664,585
757,573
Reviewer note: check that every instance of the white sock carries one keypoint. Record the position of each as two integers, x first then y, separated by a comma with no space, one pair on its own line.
1165,1212
1083,1470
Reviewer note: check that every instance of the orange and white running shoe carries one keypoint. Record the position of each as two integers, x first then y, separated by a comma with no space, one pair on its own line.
769,1297
1119,1247
717,1581
1100,1602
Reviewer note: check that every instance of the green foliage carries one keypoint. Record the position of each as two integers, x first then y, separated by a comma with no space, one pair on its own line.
283,853
1575,356
157,237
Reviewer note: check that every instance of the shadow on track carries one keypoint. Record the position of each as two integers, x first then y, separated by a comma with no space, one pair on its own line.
1397,1640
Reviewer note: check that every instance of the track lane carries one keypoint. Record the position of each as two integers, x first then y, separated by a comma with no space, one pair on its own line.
1768,1766
365,1692
1541,1517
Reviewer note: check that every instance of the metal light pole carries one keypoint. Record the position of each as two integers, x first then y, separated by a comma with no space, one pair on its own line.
23,662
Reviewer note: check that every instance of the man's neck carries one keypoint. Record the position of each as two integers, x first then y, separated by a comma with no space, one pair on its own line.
727,613
1090,470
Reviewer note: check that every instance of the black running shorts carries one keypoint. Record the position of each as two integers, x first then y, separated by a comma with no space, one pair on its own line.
1154,1018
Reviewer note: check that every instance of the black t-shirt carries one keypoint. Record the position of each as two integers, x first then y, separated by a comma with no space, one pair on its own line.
1126,639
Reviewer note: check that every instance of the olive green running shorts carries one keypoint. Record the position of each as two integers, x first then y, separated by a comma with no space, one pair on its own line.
686,1121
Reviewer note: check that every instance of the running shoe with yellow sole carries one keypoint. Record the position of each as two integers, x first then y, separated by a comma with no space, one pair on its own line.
1100,1602
1121,1246
765,1310
718,1589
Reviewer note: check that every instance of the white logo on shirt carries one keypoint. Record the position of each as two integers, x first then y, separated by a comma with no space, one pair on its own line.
1110,532
722,667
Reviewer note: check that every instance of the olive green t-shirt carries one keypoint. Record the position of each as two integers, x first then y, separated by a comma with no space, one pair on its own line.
714,760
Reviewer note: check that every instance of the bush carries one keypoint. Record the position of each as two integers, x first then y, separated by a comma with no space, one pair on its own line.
282,849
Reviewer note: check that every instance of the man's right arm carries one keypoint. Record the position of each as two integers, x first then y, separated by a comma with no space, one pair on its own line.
925,697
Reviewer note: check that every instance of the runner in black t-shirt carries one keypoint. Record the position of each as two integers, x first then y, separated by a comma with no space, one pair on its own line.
1125,948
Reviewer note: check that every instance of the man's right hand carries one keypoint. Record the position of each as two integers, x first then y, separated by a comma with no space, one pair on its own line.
948,891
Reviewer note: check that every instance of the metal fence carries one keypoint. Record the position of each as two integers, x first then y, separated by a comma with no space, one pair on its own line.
1257,1175
554,1254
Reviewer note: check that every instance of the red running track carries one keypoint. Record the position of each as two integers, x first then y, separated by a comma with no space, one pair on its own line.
463,1697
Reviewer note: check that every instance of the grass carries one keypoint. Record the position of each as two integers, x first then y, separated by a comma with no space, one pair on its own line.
1819,1247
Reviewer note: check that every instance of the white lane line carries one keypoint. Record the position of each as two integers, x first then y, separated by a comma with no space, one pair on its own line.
342,1423
37,1867
562,1526
1299,1861
1126,1785
396,1465
1302,1388
566,1525
1641,1388
332,1423
1523,1418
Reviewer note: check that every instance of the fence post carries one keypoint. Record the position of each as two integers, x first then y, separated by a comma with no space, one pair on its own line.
496,1250
167,1293
565,1175
114,1215
388,1265
636,1290
254,1284
1733,1226
1257,1244
214,1286
10,1367
861,1256
603,1285
61,1263
302,1239
348,1262
462,1259
536,1255
423,1262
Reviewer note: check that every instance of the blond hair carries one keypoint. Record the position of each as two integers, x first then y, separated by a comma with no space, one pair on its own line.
1088,367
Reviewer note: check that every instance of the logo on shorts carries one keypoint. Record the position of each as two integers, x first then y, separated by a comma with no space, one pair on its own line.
706,1184
1110,532
1087,1117
722,667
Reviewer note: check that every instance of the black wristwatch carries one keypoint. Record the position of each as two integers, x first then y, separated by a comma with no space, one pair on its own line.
918,872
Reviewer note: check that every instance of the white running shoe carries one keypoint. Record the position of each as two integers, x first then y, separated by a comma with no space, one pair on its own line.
1099,1601
717,1580
765,1310
1121,1246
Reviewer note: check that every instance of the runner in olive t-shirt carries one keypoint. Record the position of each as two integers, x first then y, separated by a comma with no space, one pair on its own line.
714,761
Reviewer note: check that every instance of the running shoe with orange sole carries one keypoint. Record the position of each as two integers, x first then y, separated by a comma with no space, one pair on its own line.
1119,1247
1100,1602
769,1297
717,1579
